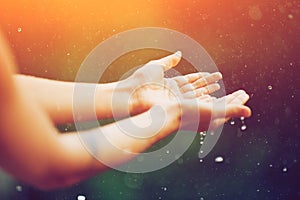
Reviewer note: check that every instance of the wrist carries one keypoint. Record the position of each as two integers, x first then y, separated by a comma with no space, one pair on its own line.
170,115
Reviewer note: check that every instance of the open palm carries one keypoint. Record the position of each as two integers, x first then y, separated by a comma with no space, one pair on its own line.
151,87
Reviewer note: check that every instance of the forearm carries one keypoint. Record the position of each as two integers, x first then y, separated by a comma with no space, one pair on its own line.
118,143
57,98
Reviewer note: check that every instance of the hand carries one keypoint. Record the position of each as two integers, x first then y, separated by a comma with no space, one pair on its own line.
149,87
213,112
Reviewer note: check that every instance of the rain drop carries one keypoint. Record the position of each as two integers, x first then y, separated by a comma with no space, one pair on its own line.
232,122
290,16
244,127
242,118
19,188
270,87
285,169
164,188
201,160
219,159
19,30
81,197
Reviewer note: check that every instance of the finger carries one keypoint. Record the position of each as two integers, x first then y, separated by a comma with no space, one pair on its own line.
209,79
240,99
189,78
230,97
168,62
232,111
206,98
187,88
209,89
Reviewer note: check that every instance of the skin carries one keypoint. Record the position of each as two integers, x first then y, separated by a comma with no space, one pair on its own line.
32,150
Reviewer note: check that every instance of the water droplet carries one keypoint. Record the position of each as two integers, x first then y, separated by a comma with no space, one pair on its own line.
201,142
81,197
242,118
290,16
285,169
232,123
201,198
19,188
201,160
68,54
19,30
270,87
167,152
164,188
219,159
244,127
270,165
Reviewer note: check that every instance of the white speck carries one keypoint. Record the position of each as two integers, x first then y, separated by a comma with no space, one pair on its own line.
270,165
167,151
19,188
270,87
164,188
244,127
201,198
232,122
257,190
201,142
258,164
201,160
242,118
19,30
68,54
219,159
285,169
201,151
290,16
81,197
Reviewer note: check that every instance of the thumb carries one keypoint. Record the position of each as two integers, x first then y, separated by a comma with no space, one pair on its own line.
168,62
233,111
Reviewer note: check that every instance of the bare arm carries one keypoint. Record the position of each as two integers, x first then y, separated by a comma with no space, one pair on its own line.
57,97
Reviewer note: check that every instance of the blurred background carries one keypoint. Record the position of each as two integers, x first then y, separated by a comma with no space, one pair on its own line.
256,46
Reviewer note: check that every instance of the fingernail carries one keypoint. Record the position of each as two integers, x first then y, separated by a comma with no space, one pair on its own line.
219,74
178,54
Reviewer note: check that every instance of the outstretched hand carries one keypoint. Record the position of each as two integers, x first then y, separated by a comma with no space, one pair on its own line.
199,111
150,87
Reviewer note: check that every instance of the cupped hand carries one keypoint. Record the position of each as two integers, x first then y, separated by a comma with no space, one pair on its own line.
150,87
208,112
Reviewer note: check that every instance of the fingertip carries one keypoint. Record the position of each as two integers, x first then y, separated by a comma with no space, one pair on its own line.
178,54
219,74
247,111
